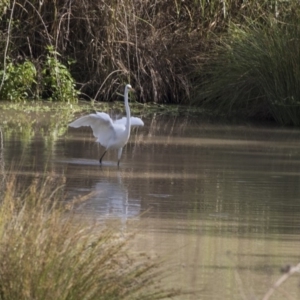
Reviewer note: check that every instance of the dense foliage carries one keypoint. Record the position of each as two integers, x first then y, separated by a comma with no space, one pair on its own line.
170,51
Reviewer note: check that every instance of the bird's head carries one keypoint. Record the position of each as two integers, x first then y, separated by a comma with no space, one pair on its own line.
129,88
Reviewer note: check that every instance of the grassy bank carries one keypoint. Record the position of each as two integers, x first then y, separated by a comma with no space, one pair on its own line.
170,51
46,253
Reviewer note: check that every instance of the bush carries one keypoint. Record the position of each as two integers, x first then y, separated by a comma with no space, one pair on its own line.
18,80
54,81
57,82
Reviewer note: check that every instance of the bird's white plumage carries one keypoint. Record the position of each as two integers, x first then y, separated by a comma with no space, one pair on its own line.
112,134
133,120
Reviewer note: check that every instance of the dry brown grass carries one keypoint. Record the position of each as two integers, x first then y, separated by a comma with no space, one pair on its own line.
47,253
154,45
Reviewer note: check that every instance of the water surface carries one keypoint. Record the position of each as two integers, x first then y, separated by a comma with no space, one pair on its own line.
219,202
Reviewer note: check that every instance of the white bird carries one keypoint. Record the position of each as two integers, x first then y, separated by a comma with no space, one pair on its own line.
111,134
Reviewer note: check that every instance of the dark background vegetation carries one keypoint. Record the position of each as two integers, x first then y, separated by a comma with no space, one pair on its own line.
232,56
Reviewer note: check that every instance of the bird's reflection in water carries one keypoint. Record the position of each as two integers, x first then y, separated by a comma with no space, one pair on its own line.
110,200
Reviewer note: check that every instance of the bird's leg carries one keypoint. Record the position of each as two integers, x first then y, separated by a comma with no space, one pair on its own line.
119,155
100,160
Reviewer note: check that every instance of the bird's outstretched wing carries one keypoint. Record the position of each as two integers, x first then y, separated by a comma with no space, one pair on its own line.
92,119
134,121
101,124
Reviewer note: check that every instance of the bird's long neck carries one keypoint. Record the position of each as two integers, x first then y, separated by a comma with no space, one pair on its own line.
128,123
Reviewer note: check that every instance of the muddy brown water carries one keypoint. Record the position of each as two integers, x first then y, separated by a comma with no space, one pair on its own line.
221,203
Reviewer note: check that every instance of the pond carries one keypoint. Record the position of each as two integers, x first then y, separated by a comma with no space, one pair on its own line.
219,203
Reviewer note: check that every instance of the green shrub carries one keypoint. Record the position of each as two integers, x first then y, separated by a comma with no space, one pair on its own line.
19,79
57,82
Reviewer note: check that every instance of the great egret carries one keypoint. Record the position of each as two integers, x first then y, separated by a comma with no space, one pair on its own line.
112,134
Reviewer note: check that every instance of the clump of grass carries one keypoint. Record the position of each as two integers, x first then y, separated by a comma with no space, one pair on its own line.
46,253
255,71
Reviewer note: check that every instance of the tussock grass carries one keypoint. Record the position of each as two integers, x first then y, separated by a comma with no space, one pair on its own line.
45,253
255,71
